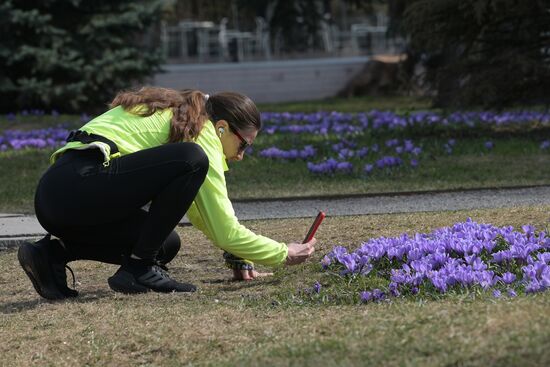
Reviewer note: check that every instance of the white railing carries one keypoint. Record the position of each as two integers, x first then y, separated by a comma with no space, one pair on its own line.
205,41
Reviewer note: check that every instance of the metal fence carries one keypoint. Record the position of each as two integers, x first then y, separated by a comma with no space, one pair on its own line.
209,42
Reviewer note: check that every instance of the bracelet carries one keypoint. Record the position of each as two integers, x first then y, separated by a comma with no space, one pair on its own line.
237,263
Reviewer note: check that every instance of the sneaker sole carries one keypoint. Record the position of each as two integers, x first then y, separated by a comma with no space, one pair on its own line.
31,260
124,282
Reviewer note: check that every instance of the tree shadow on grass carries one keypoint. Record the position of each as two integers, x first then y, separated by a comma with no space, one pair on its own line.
21,306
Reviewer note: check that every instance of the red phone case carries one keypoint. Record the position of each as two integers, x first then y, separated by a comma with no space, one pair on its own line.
314,227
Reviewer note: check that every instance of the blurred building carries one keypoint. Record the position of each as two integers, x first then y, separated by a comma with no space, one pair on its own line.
282,51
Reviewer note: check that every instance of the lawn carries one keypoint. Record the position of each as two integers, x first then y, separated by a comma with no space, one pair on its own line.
353,104
271,321
428,156
515,161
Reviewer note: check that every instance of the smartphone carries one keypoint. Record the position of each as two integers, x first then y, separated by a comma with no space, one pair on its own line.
314,226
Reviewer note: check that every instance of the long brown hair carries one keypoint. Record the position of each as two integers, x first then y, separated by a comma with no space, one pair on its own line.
191,108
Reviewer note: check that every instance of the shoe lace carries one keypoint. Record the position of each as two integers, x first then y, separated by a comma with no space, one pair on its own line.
72,274
60,275
162,268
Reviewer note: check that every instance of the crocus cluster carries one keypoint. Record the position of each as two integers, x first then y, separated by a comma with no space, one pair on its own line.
347,149
24,115
465,255
32,112
388,161
330,166
339,123
14,138
275,153
42,138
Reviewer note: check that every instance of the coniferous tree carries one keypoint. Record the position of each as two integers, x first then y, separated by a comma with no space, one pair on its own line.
73,54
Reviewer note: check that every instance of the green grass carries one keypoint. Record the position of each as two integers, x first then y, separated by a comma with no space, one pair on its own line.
513,162
267,322
21,171
516,159
354,104
31,122
365,103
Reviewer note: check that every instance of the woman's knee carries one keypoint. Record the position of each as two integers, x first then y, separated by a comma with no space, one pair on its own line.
200,159
194,155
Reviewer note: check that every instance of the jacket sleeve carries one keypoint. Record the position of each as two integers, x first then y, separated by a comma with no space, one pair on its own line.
213,214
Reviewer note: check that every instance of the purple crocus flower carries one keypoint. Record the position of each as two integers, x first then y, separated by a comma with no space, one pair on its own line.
349,262
361,153
409,146
439,283
366,296
528,229
508,278
345,153
378,295
307,152
345,167
325,262
394,289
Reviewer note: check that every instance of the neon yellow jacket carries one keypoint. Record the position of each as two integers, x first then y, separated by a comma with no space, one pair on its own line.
211,211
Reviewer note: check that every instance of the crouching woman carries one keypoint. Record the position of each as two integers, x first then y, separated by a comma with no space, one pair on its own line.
155,146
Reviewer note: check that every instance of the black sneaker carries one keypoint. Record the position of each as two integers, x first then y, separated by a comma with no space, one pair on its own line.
139,276
45,265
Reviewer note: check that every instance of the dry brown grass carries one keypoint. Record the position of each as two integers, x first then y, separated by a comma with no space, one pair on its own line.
233,323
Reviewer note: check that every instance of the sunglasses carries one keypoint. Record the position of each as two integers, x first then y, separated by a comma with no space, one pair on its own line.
244,144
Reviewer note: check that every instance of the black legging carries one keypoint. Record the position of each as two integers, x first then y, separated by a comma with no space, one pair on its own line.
97,211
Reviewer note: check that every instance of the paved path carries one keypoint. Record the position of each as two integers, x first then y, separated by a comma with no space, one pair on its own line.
15,228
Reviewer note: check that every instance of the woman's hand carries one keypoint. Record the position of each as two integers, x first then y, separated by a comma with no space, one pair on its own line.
300,252
248,274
